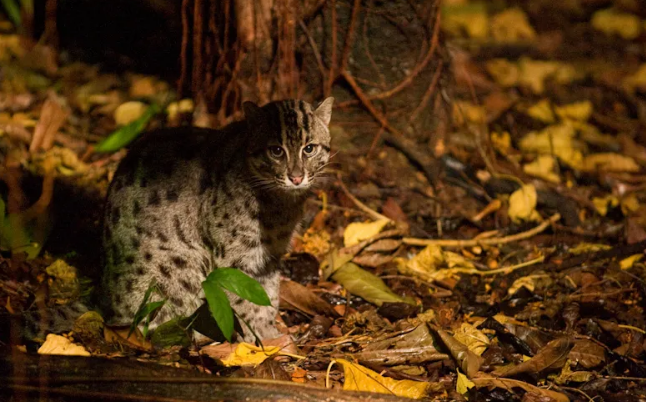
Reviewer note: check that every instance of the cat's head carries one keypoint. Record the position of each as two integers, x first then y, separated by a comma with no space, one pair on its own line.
289,143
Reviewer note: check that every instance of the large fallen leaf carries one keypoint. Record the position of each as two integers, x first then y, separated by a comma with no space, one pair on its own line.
359,378
552,356
294,296
507,384
468,361
614,22
59,345
362,283
356,232
244,354
472,338
511,25
587,354
522,204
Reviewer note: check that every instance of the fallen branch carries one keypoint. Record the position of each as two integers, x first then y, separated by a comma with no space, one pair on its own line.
496,241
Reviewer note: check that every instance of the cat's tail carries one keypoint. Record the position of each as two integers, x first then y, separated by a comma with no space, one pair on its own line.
56,319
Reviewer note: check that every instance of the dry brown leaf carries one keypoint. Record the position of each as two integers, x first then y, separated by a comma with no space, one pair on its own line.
468,361
586,353
52,118
59,345
506,383
552,356
294,296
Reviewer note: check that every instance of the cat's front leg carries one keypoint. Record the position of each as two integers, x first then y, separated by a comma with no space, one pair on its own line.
261,319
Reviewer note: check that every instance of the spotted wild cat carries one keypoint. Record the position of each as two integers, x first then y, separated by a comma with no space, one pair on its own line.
186,201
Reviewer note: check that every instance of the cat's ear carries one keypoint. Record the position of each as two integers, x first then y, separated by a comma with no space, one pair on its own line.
251,110
324,111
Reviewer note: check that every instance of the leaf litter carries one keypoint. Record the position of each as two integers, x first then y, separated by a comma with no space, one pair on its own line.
521,276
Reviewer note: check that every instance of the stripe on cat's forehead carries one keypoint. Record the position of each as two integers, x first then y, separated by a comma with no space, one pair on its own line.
295,120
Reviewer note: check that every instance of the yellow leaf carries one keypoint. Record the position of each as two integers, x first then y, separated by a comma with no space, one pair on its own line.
629,204
472,338
542,111
601,204
357,232
501,142
522,204
567,375
636,81
530,282
463,384
128,112
467,112
511,25
630,261
246,354
555,140
59,345
613,22
533,73
580,111
543,167
183,106
588,248
359,378
455,260
469,19
504,72
609,162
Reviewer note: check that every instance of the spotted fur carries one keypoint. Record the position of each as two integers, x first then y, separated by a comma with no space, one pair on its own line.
186,201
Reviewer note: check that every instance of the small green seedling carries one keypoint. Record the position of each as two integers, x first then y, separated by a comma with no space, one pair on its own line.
146,311
237,282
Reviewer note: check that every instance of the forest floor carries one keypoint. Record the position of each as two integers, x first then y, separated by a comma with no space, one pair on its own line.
519,275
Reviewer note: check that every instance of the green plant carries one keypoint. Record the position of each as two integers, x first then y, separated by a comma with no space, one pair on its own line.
237,282
12,10
126,134
147,310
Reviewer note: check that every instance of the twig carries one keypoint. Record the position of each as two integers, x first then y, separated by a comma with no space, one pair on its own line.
483,242
184,50
315,49
333,62
410,77
197,48
365,100
374,214
349,38
427,95
373,63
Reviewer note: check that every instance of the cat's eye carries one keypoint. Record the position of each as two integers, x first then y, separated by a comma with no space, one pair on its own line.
276,152
310,150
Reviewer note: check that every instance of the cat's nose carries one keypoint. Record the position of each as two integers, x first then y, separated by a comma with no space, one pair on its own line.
296,179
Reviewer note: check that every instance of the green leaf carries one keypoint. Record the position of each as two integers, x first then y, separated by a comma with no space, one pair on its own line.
365,285
171,333
146,310
219,307
126,134
13,11
241,284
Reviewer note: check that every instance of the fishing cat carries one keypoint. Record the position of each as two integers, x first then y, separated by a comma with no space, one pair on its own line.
185,201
